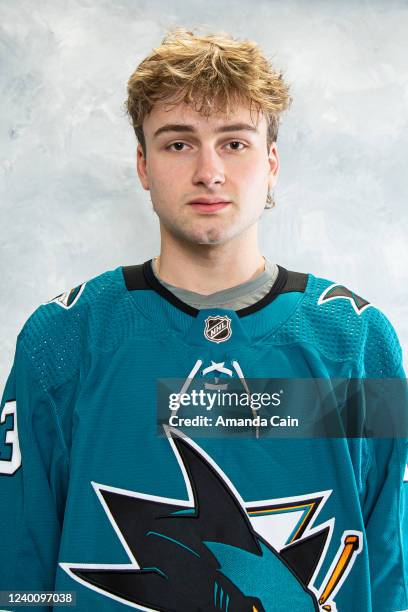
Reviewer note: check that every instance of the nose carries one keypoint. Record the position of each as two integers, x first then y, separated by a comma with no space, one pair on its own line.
209,169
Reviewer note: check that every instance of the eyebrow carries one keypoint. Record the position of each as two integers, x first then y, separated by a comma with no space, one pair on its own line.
184,127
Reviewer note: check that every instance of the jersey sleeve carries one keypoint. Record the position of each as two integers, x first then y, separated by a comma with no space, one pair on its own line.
386,496
33,481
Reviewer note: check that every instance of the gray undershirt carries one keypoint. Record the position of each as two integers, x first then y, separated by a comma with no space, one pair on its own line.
234,298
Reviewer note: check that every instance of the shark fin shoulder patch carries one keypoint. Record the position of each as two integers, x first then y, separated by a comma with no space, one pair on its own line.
336,291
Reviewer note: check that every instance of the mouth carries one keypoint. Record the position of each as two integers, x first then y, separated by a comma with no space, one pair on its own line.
209,207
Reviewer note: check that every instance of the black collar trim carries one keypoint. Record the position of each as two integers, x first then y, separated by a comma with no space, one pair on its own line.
141,276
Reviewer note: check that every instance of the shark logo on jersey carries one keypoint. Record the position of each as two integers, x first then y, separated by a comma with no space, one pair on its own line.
336,291
68,298
217,328
215,551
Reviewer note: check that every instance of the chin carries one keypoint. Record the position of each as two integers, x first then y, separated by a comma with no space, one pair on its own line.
215,235
204,233
188,233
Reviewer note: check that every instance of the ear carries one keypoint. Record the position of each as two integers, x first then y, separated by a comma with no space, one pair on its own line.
273,160
141,167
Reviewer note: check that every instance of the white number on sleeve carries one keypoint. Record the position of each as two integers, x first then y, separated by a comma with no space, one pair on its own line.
11,465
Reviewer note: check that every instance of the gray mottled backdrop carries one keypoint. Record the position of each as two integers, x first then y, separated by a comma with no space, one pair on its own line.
71,204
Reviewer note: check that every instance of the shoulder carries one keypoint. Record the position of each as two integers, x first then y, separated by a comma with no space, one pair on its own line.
88,298
59,330
344,325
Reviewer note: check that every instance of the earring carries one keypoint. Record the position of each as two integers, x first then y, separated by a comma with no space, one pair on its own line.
270,202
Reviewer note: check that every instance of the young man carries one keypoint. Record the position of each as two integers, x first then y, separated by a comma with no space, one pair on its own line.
96,501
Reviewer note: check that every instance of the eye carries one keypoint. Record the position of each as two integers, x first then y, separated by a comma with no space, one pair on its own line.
237,142
175,144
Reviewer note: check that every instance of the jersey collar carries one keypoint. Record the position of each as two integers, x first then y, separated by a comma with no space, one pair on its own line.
142,277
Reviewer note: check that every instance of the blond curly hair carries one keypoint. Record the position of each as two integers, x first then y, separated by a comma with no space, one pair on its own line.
212,73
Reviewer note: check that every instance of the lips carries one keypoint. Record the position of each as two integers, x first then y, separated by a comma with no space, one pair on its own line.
204,200
209,205
212,202
209,208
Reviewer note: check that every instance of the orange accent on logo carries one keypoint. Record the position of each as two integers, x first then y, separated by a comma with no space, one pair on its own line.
351,543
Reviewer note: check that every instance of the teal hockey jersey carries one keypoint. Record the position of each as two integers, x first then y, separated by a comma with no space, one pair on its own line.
94,501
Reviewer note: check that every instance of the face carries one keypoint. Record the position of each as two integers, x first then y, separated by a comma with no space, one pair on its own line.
222,161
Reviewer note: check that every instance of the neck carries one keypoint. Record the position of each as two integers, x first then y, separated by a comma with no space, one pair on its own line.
206,269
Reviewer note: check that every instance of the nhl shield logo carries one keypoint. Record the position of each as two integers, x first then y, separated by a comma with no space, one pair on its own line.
217,329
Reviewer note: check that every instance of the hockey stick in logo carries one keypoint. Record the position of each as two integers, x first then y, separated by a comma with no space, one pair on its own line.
351,547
